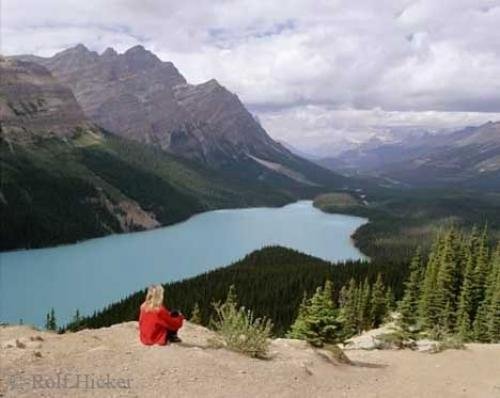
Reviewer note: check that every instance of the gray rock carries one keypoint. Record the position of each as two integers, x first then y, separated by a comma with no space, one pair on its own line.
138,96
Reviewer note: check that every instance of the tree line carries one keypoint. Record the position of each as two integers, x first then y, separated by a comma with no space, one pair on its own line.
456,290
453,290
270,281
453,293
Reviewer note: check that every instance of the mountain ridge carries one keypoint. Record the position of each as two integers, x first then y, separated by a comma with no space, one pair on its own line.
65,179
136,95
469,157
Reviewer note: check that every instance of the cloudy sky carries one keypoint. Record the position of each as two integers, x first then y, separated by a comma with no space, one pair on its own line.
315,72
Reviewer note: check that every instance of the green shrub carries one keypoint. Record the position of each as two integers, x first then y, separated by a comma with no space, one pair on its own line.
451,343
317,321
239,329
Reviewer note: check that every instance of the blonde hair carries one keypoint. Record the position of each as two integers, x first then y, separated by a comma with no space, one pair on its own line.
154,298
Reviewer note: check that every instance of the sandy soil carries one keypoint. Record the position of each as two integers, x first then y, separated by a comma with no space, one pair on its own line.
110,362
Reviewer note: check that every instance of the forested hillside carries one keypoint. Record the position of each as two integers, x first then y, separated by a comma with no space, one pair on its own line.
401,220
99,184
271,281
454,290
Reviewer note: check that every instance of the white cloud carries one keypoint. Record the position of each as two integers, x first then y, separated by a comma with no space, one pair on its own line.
301,61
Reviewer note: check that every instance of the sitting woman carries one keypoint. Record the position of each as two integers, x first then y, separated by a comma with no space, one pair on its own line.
157,325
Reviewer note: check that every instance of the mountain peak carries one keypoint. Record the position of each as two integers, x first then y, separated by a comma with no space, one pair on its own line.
109,52
79,52
141,55
79,48
138,49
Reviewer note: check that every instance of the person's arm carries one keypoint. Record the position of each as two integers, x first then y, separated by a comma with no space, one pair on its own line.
168,321
140,316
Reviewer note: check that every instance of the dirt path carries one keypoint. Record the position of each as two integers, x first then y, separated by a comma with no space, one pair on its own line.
110,362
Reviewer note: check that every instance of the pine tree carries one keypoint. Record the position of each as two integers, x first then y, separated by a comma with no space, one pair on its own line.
487,322
481,271
427,308
493,317
480,325
378,308
446,286
50,320
364,306
320,324
47,321
466,311
408,306
76,317
195,314
348,311
390,299
299,327
343,296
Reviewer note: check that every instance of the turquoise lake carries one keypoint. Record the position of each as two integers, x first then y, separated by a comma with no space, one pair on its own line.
91,274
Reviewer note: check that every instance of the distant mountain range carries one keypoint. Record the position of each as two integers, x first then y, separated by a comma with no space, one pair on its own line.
97,144
468,158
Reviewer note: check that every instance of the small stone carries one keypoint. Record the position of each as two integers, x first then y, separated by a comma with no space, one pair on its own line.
20,344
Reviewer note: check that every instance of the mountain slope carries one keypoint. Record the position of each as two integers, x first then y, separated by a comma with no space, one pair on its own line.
138,96
468,158
31,99
64,179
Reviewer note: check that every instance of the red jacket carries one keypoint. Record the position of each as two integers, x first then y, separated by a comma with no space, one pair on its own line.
153,325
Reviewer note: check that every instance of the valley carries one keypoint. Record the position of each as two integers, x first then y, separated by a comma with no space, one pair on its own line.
249,199
65,179
82,272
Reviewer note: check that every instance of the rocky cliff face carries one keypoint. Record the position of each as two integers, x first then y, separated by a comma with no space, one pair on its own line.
34,104
138,96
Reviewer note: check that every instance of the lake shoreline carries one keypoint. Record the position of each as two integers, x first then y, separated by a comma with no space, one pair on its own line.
180,221
195,214
206,241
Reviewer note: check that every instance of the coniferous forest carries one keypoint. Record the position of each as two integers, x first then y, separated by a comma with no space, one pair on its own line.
453,290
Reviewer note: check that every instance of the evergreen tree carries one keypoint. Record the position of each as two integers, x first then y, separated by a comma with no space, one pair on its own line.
299,327
348,310
466,311
480,324
317,321
493,317
487,322
47,321
481,271
50,320
408,306
378,308
195,314
343,296
390,299
76,317
364,306
427,302
446,285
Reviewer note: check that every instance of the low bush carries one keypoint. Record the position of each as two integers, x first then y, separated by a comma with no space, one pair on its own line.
239,330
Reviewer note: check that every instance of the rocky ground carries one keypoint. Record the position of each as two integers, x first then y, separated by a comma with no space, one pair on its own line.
110,362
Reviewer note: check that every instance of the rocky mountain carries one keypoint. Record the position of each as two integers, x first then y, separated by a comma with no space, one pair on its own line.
469,157
138,96
35,105
65,179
